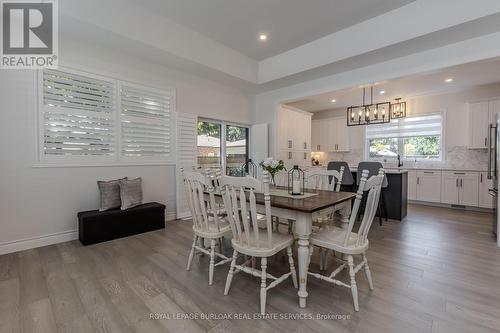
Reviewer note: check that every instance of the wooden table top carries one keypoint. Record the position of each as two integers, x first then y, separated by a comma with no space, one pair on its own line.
323,200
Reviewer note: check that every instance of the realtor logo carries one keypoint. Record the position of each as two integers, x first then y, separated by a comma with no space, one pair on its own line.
29,34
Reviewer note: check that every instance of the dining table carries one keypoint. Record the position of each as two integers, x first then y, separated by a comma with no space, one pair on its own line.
300,210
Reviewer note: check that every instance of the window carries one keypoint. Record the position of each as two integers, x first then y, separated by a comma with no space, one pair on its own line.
222,145
85,118
236,150
209,145
414,138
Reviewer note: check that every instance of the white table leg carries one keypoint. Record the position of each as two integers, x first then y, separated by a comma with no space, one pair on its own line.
345,214
303,230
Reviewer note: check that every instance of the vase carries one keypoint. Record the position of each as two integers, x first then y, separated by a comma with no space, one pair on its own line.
272,184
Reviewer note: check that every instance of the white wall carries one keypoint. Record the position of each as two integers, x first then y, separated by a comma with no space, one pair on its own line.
37,202
456,120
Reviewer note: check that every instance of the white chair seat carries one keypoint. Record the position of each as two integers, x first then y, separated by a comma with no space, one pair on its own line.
212,232
261,248
333,238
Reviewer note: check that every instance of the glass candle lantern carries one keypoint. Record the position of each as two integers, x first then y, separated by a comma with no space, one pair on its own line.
296,181
251,168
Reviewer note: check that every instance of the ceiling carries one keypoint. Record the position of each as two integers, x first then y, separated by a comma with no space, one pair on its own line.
464,76
288,23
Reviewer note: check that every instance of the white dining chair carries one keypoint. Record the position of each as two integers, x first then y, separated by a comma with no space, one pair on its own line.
326,180
207,220
349,243
248,239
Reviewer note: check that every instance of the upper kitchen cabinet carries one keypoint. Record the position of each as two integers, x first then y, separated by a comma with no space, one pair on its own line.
481,115
293,129
330,135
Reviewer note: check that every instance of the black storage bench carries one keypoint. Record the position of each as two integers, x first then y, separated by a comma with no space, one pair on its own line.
95,226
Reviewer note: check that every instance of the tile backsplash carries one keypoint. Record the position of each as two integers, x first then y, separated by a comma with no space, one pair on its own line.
456,157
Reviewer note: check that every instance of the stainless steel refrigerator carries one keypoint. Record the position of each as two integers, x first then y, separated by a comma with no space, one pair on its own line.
493,163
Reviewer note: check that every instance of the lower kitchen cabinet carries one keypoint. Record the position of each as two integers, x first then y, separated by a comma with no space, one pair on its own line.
485,184
463,188
460,188
428,186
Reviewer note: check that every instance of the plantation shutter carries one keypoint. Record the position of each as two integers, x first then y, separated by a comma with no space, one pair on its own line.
186,157
78,115
428,125
146,123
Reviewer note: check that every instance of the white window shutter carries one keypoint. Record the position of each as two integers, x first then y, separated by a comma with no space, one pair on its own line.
146,118
78,116
186,157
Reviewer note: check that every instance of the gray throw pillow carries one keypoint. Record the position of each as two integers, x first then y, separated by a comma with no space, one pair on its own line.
131,192
110,194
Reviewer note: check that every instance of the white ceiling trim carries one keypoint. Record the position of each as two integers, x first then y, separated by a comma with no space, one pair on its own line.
137,23
413,20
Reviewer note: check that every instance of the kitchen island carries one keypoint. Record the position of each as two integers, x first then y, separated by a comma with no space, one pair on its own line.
395,195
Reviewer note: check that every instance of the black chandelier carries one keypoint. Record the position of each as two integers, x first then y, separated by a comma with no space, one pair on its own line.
367,114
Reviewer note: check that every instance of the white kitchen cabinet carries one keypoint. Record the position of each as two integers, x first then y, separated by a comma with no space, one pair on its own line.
316,135
449,187
330,135
479,119
295,157
469,189
293,129
429,185
412,185
342,135
485,184
293,137
481,115
460,188
493,109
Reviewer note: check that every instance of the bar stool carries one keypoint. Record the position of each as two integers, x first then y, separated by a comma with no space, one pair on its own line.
347,180
373,168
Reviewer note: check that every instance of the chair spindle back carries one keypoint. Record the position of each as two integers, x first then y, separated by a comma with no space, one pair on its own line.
238,194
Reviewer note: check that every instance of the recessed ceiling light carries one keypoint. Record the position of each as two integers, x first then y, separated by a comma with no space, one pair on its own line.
381,92
263,37
448,80
334,100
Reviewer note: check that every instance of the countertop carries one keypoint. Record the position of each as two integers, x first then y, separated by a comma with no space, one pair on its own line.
403,169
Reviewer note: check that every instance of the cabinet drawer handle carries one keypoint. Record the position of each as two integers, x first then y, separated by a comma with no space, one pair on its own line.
289,155
319,147
481,179
486,141
459,173
461,182
429,172
305,156
289,143
305,145
418,180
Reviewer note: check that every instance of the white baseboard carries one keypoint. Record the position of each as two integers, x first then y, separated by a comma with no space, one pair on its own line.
442,205
33,242
170,216
183,215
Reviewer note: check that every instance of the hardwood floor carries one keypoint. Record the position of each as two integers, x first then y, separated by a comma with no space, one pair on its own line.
438,271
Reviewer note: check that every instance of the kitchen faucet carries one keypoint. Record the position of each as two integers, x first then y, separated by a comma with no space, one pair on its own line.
400,164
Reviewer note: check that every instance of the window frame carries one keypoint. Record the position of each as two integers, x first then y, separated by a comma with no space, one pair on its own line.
224,125
118,159
441,158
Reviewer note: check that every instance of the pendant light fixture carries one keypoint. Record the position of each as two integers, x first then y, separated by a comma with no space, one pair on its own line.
398,109
367,114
